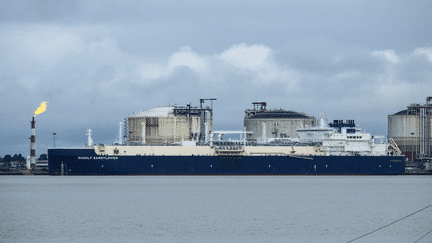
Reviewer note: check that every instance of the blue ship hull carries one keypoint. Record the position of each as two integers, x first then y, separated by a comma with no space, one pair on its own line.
87,162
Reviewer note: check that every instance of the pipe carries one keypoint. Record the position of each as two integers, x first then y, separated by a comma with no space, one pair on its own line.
244,136
206,131
143,134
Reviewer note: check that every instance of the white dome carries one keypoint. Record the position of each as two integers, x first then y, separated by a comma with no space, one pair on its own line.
164,111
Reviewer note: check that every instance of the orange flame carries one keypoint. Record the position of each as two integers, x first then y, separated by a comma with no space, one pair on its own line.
41,108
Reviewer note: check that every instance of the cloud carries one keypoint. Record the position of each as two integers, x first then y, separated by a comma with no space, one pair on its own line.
423,51
65,58
186,57
402,80
73,63
39,45
258,64
248,57
255,63
389,55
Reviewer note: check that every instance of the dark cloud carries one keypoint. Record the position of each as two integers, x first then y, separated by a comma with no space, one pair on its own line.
36,11
214,25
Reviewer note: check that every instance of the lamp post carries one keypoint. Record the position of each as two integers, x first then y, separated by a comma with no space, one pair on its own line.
412,147
54,138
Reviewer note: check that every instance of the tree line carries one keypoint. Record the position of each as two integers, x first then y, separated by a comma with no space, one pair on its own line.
6,161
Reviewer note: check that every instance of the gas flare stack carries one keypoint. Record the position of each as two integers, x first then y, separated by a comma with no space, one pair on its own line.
39,110
33,146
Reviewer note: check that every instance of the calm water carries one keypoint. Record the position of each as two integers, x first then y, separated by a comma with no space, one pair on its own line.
214,209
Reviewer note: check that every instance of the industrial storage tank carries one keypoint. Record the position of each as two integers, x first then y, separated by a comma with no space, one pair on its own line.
411,130
275,123
170,124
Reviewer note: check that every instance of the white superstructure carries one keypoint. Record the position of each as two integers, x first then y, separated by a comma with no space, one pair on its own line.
357,143
315,134
342,139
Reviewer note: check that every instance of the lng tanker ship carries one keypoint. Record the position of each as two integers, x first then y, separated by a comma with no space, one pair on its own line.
180,141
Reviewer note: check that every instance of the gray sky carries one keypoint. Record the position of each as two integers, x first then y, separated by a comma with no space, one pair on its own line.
96,62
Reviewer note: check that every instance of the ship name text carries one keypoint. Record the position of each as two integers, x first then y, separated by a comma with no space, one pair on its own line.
97,158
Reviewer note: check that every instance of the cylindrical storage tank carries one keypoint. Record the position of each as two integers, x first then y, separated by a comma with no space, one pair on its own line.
411,131
277,123
162,126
